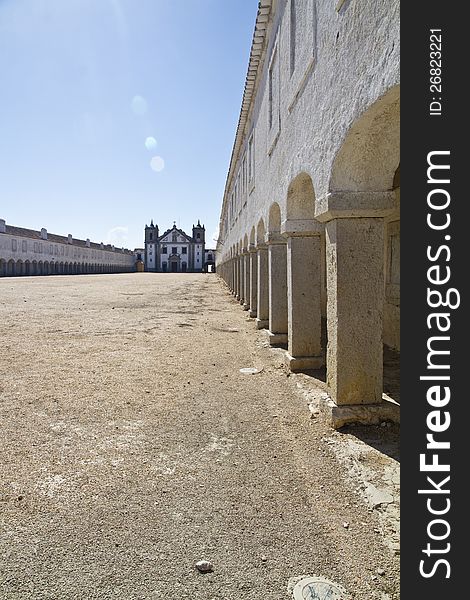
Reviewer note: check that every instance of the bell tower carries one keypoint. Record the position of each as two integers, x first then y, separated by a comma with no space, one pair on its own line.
199,240
199,233
151,237
151,233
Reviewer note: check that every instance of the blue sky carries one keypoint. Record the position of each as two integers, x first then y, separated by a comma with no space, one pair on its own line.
86,84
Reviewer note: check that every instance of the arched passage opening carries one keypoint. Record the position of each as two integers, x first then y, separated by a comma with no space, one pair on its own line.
277,274
262,303
360,204
245,274
306,294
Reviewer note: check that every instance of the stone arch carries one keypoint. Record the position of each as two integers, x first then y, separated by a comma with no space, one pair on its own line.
11,268
19,267
253,236
27,267
245,242
277,278
369,154
306,269
274,219
300,202
34,267
362,181
3,267
46,267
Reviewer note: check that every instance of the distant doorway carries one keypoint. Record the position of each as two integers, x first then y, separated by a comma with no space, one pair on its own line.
174,267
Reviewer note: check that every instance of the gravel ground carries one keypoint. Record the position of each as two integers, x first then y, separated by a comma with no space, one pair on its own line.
133,447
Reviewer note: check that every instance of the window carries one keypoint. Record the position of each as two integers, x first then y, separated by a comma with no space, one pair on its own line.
174,250
209,257
198,236
13,245
273,112
302,46
293,28
151,236
244,178
251,161
184,250
164,251
174,237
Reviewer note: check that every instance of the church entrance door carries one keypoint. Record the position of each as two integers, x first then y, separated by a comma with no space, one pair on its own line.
174,267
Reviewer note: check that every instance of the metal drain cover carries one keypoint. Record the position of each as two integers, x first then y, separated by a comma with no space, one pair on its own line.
317,588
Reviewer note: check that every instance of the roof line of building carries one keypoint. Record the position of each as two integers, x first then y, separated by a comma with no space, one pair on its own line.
256,52
53,237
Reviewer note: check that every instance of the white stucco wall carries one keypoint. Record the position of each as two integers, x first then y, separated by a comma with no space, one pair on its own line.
20,248
346,60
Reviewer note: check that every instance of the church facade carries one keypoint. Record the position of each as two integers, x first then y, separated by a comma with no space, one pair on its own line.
175,251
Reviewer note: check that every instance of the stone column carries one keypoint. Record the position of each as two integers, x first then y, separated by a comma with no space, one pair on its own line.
355,300
230,274
253,280
246,280
241,279
262,304
237,277
355,287
277,268
304,294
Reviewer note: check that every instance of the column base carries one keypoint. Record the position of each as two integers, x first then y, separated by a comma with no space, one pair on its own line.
277,339
252,313
246,306
364,414
262,323
237,297
304,363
